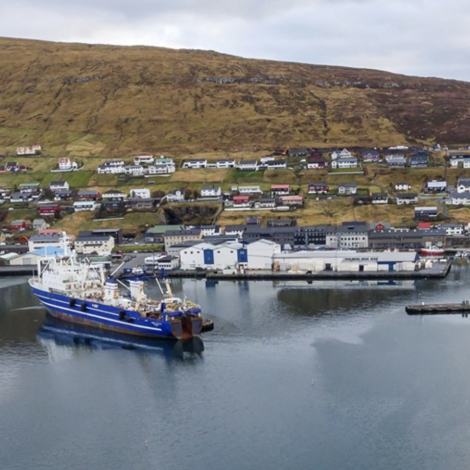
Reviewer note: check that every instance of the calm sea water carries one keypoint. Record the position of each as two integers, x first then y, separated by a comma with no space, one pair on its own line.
295,376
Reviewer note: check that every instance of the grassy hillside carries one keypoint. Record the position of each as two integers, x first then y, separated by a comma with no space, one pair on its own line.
82,100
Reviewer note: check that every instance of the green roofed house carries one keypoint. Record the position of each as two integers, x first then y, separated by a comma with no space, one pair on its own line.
155,234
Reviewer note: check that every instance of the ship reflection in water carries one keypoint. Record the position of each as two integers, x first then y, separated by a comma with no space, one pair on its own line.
55,333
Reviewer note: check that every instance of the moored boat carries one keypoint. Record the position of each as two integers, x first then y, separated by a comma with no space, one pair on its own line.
432,251
78,292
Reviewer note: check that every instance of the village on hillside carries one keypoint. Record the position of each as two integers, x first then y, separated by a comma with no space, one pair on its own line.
398,198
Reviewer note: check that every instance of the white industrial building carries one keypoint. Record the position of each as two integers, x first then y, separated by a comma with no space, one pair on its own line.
209,256
261,253
344,261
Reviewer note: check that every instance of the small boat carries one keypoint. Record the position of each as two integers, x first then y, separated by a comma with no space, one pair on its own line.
78,292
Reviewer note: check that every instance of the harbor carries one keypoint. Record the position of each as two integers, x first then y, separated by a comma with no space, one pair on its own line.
332,363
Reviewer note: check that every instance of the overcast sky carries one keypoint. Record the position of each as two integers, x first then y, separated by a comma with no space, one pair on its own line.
415,37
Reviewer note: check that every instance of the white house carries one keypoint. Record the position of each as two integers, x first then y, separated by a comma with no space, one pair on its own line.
248,165
59,186
402,187
211,191
276,165
459,160
135,170
248,189
436,186
142,193
408,198
107,169
261,253
459,199
139,159
452,229
463,185
226,163
175,196
65,164
81,206
87,244
344,163
114,194
195,164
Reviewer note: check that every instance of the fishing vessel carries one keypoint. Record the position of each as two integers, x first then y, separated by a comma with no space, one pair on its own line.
431,251
77,291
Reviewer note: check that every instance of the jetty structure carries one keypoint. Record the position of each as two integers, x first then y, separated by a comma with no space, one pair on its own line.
438,309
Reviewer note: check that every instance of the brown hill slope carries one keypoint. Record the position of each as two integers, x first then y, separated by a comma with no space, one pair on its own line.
86,99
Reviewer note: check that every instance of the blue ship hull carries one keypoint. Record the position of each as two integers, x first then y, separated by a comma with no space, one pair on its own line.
107,317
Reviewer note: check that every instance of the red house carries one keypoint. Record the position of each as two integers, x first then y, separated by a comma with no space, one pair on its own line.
242,201
280,190
18,225
318,188
88,195
49,209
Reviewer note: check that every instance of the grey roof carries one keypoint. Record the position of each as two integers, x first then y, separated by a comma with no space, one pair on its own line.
382,234
463,181
248,162
53,237
347,185
92,238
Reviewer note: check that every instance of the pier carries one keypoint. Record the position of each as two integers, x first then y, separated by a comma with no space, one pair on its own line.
438,309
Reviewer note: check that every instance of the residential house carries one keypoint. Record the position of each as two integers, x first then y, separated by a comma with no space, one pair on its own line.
280,190
49,209
39,224
87,244
31,188
211,191
140,192
248,165
379,198
242,201
65,164
62,195
435,186
226,163
291,200
276,165
88,195
318,188
459,160
452,230
265,203
299,152
420,160
396,160
425,213
347,189
20,198
28,151
407,198
173,237
105,169
344,163
147,159
248,189
140,203
175,196
459,199
135,170
59,186
402,187
316,163
463,185
85,205
114,194
370,156
195,164
19,225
